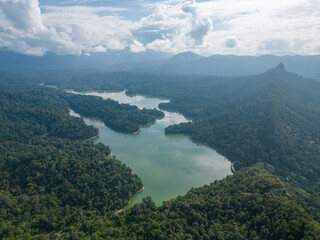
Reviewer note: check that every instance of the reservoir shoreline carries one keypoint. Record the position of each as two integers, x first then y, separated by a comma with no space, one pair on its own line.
168,165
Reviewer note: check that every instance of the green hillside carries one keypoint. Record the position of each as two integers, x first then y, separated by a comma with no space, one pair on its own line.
54,187
252,204
271,117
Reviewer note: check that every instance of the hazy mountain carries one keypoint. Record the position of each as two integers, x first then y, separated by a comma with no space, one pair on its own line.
184,57
154,62
111,61
232,65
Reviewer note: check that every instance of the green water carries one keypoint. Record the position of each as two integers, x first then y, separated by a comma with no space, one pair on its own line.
167,165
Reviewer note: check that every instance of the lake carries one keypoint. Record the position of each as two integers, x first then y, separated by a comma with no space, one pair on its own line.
167,165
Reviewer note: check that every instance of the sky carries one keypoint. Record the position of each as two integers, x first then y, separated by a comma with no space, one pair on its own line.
240,27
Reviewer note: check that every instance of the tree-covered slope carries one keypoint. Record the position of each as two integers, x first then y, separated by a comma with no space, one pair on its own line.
49,184
273,117
38,112
49,181
59,188
252,204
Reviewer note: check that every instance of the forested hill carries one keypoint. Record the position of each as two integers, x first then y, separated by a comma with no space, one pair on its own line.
48,180
252,204
49,185
271,117
38,112
53,187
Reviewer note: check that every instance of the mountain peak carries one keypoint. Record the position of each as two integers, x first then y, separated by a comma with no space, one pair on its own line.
187,53
186,56
277,69
280,67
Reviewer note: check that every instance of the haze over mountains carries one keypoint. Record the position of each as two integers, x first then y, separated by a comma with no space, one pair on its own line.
232,65
185,63
114,61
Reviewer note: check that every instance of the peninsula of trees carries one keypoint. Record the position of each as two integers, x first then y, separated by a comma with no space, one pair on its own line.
120,117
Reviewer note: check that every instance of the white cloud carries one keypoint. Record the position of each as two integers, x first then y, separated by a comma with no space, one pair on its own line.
257,22
89,27
174,27
63,30
23,29
137,46
245,27
28,12
255,27
200,25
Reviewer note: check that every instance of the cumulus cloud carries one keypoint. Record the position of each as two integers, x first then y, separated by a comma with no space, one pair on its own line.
255,26
171,27
174,27
200,25
28,12
89,27
63,30
23,29
137,46
257,23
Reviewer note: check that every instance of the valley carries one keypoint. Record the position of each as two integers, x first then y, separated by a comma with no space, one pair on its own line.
168,166
251,120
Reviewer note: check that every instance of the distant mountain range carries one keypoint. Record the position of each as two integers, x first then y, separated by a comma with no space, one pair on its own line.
155,62
96,62
231,65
